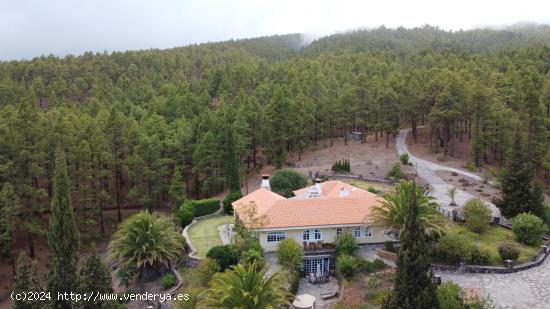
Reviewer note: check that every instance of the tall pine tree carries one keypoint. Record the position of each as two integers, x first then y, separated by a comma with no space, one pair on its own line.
95,276
63,237
9,207
520,192
177,189
233,181
414,287
26,280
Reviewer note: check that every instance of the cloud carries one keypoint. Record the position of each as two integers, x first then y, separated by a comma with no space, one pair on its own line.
30,28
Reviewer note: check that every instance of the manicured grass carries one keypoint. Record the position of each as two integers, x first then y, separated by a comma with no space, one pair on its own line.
491,238
205,235
382,188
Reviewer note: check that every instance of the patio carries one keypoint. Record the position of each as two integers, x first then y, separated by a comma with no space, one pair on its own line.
318,289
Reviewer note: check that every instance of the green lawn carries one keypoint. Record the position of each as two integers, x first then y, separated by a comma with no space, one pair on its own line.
205,235
490,240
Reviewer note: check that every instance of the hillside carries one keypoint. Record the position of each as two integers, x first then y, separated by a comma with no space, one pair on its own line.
130,121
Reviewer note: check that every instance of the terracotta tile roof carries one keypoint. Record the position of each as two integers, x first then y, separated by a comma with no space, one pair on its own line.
262,197
333,188
300,211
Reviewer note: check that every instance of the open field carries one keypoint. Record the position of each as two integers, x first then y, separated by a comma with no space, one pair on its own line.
366,185
205,234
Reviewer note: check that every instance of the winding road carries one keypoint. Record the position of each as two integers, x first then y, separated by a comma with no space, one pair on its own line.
525,289
438,187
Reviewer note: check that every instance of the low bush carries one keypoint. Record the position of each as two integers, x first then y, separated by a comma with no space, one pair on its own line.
252,256
168,281
477,215
346,244
292,280
366,266
185,214
286,181
479,256
471,167
404,158
205,270
230,198
226,256
373,190
453,248
449,295
528,228
204,207
396,172
290,254
347,265
508,251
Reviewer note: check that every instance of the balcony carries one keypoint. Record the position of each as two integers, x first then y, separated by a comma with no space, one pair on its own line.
318,248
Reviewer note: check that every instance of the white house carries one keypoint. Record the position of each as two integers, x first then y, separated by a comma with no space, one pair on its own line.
314,217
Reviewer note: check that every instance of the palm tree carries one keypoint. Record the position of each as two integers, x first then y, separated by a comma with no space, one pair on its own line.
145,240
393,211
452,194
245,287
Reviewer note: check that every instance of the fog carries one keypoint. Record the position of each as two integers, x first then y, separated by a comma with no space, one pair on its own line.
30,28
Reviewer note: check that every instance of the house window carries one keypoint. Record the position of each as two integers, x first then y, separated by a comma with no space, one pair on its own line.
338,231
368,231
318,235
357,232
275,236
306,235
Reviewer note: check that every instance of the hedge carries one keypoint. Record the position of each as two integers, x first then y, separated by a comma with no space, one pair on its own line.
204,207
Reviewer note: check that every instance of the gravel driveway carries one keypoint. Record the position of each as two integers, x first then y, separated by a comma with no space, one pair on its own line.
438,187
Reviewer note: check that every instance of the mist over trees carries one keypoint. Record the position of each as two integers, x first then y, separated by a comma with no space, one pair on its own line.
129,121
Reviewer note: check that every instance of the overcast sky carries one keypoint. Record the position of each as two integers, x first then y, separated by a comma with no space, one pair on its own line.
31,28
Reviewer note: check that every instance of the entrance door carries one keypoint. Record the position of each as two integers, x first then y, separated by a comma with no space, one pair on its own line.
315,266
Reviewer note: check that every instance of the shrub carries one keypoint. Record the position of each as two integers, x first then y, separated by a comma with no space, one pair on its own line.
396,173
168,281
453,248
341,166
346,244
290,254
204,207
508,251
388,246
528,228
292,280
347,265
366,266
226,256
230,198
477,215
404,158
205,270
286,181
373,190
185,214
479,257
471,167
253,256
449,295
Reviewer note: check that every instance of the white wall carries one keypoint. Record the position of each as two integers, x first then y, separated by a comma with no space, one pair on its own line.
329,235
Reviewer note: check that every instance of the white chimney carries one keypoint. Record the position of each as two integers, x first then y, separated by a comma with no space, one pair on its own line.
318,185
265,182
